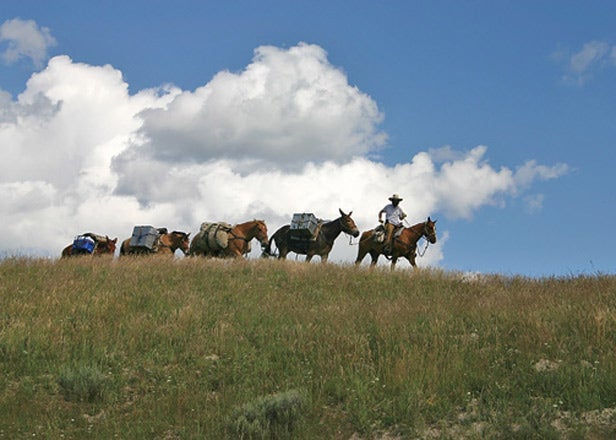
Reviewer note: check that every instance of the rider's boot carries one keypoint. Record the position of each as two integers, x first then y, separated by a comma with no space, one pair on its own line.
388,239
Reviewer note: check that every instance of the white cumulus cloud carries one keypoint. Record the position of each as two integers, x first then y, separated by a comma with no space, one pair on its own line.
25,40
286,107
286,134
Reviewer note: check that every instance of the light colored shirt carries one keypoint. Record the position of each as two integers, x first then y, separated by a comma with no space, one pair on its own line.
393,214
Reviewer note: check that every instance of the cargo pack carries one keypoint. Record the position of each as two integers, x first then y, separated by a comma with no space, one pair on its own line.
144,236
83,244
303,226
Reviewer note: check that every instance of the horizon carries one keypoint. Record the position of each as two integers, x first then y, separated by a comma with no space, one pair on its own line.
495,120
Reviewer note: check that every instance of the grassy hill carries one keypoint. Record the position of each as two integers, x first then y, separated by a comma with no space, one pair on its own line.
205,349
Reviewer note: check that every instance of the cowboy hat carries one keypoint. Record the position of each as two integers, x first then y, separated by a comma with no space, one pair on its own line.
395,197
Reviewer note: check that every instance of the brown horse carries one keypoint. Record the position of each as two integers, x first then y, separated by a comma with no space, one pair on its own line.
404,245
167,244
102,246
321,245
238,244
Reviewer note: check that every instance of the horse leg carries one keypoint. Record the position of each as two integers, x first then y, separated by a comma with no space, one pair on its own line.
411,257
233,250
361,253
394,260
374,258
282,252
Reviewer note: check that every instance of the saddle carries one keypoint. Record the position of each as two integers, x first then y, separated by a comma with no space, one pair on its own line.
380,234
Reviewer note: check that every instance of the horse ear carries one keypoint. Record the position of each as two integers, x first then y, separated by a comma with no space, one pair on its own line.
115,240
429,219
343,214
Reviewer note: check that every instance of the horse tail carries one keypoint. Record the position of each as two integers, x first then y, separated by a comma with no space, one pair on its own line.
267,249
66,252
124,247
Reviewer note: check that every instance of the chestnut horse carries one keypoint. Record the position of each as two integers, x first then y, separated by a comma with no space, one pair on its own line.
404,245
103,245
321,245
167,244
239,238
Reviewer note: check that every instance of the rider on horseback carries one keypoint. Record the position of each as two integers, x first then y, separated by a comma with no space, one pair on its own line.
393,219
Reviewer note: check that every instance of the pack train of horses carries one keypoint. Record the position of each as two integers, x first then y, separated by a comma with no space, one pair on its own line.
226,241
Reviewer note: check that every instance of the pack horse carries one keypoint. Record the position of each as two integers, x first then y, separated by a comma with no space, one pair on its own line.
223,240
90,244
148,240
308,236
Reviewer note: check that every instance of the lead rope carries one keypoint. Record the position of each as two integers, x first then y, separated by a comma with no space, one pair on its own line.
420,253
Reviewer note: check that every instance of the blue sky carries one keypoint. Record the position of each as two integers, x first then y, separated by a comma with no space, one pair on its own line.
495,117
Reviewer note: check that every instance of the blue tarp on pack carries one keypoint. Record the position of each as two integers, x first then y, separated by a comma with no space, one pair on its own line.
83,245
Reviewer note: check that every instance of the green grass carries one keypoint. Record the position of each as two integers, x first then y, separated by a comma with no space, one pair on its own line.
192,349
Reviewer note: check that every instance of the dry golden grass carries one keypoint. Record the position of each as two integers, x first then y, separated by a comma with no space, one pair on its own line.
159,348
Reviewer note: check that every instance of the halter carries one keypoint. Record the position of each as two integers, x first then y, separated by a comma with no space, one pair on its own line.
234,236
347,233
170,246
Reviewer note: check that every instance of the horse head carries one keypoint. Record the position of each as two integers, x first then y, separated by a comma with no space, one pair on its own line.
180,240
260,230
109,245
347,224
430,230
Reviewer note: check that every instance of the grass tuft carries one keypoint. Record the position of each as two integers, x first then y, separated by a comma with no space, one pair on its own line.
273,416
83,384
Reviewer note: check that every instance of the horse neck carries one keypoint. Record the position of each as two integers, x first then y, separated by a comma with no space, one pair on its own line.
102,249
416,232
331,230
248,230
245,230
168,241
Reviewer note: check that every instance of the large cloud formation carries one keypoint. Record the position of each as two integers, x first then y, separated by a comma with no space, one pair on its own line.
286,134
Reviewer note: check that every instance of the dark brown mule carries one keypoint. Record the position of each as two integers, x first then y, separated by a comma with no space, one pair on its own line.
404,245
168,243
239,238
103,246
323,243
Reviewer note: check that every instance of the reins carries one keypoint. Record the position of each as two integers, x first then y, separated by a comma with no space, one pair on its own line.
422,253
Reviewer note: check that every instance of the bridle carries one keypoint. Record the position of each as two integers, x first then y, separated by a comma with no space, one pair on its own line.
428,235
342,228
